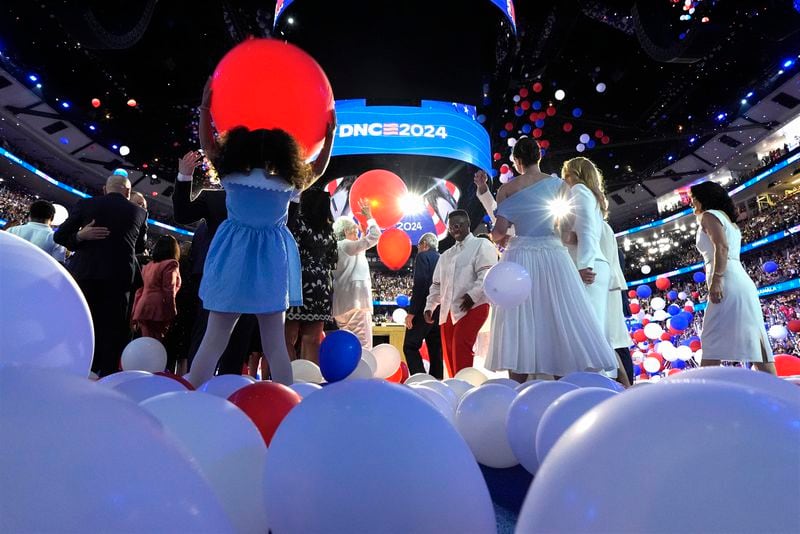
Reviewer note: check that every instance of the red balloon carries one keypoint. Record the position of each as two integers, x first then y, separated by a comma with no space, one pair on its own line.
537,133
266,404
673,372
188,385
645,322
537,87
550,111
688,308
132,103
266,83
383,190
567,127
663,283
401,375
639,336
605,139
598,134
793,325
523,92
497,156
525,105
695,294
394,248
423,351
509,126
666,336
95,102
635,308
695,345
504,168
544,143
533,117
631,294
787,365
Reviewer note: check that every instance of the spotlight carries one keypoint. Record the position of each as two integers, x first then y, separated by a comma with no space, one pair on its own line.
786,64
33,78
412,204
65,105
559,207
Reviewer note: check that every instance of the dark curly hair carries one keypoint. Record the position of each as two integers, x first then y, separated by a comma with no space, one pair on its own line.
527,151
713,196
276,151
315,208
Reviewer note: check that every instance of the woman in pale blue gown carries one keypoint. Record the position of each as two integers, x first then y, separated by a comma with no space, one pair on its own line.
553,332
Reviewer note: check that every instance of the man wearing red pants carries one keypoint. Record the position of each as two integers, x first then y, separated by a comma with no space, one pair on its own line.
457,289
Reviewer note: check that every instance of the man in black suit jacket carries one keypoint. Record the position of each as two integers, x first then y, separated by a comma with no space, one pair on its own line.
208,205
418,328
105,233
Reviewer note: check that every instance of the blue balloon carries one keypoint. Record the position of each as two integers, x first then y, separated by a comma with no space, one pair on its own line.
590,144
699,278
503,134
686,343
481,118
539,123
644,291
636,326
121,172
339,355
673,310
537,105
577,112
672,295
770,267
637,369
694,338
678,364
679,322
519,112
526,128
689,316
487,219
403,300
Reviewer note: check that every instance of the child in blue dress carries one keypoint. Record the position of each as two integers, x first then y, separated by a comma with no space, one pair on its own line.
253,265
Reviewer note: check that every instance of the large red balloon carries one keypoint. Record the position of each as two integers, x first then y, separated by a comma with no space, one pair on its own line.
266,404
663,283
793,325
787,365
266,83
394,248
384,191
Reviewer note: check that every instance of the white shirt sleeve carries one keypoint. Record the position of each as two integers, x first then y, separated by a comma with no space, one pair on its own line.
485,258
586,225
489,203
367,241
434,294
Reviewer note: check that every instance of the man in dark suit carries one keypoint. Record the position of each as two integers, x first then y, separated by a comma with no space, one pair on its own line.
208,205
418,328
105,233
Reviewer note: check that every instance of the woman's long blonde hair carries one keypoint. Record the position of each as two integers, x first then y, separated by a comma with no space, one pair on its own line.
589,175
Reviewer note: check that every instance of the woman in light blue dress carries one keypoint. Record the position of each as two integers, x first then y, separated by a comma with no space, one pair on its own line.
554,331
253,265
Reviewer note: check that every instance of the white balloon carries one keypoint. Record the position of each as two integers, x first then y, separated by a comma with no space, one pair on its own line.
646,269
507,284
388,358
560,94
682,295
778,331
511,141
336,437
60,216
481,421
503,382
682,353
224,385
585,138
419,377
504,178
306,371
585,379
524,416
44,319
754,380
574,491
459,387
368,357
653,331
304,389
399,316
113,379
143,388
563,413
227,447
651,365
525,385
474,376
600,87
657,303
144,354
83,458
444,391
660,315
362,371
698,356
438,401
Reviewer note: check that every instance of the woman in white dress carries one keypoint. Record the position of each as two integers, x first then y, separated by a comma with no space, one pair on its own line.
552,332
587,230
733,325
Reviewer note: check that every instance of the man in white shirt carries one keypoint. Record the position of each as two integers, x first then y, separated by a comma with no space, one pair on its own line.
457,290
37,230
352,287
